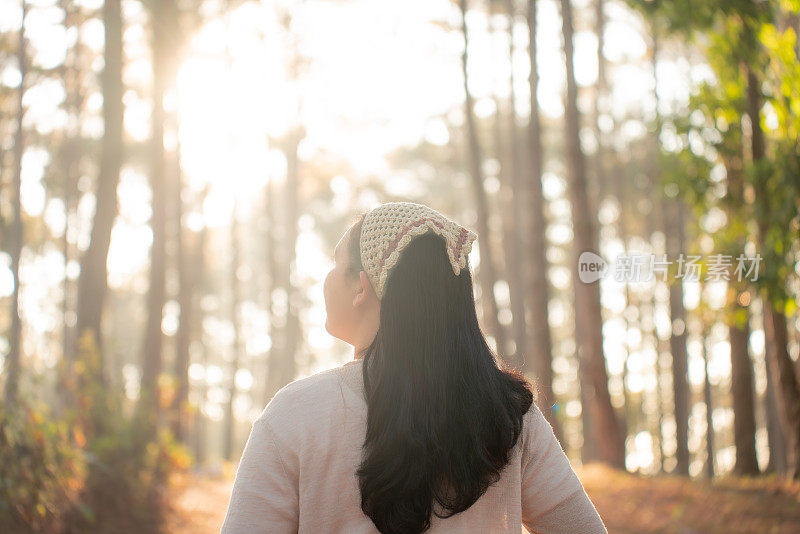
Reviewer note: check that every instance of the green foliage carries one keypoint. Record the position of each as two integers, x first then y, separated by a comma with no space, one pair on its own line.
677,15
88,470
777,177
42,469
760,199
126,470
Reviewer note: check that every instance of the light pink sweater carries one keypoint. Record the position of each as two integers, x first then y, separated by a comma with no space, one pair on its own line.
297,472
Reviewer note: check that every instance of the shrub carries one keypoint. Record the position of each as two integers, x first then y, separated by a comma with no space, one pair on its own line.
91,469
41,470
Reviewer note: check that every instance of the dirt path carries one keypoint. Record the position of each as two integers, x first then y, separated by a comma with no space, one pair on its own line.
627,503
198,503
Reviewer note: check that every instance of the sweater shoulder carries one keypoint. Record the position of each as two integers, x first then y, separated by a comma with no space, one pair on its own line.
304,399
536,434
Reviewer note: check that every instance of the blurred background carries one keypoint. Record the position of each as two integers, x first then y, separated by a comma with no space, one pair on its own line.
174,176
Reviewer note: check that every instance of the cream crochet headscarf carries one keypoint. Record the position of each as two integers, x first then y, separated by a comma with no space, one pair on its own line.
388,228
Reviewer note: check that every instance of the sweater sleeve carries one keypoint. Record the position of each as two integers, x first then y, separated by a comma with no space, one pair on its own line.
553,498
264,496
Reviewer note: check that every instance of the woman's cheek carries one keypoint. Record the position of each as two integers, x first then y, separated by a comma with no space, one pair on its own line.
326,285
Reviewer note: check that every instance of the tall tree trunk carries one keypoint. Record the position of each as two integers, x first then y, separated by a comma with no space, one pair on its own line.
502,152
607,430
162,20
742,389
590,451
654,222
199,275
620,191
783,374
612,181
660,406
282,364
292,337
777,444
541,362
674,226
486,272
674,230
186,281
600,102
743,393
620,188
271,239
93,281
517,245
71,156
781,364
230,421
12,361
709,408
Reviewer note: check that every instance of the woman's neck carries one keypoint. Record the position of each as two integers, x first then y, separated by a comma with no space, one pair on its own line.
359,352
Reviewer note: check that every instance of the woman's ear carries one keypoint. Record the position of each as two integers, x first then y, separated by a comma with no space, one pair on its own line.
364,290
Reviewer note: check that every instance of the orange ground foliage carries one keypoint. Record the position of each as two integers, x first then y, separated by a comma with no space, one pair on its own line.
670,504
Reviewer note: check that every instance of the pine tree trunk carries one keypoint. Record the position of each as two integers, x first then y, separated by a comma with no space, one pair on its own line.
777,444
93,284
230,420
12,360
607,430
199,275
674,216
540,344
709,410
186,281
282,363
502,202
600,102
620,191
743,393
654,221
783,374
162,13
292,339
517,245
486,272
742,379
72,155
271,239
781,364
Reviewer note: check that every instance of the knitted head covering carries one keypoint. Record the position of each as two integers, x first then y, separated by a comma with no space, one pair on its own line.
389,227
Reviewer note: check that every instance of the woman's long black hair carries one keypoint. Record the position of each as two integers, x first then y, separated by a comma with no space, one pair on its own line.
442,416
